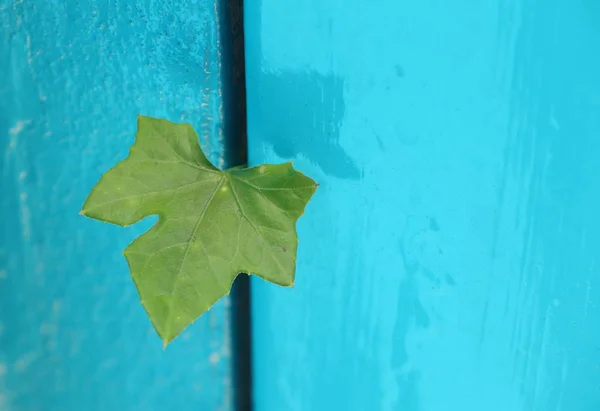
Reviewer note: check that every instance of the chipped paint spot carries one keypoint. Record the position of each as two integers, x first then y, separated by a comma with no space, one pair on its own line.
15,131
214,358
18,127
3,274
25,216
109,363
2,369
29,53
56,306
39,267
47,329
23,363
3,402
22,175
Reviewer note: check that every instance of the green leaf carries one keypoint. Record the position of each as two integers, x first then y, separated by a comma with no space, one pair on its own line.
212,226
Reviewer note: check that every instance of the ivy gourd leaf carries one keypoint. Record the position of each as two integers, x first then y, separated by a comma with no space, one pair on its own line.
212,226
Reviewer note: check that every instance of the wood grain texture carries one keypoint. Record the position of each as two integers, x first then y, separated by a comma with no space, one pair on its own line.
449,258
74,75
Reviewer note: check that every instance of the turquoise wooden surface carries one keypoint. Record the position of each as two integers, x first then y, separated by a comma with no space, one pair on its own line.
73,77
449,258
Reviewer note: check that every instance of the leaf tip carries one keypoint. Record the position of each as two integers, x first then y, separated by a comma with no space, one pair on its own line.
292,285
165,343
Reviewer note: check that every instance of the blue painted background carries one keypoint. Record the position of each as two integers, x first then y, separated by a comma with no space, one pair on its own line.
449,260
73,77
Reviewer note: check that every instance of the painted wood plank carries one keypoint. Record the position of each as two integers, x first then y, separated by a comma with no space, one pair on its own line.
73,77
449,258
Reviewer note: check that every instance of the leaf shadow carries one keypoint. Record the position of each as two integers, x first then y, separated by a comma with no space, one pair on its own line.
303,113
